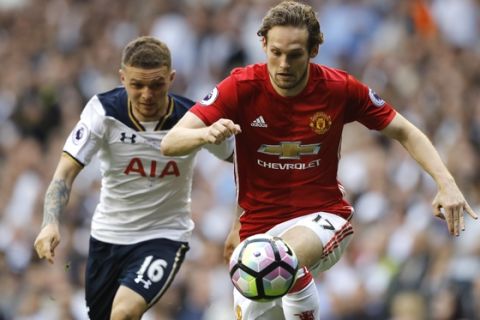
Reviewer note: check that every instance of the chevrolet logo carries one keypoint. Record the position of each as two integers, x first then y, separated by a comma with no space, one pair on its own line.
290,150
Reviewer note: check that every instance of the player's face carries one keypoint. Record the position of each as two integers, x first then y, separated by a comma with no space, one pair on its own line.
288,58
147,90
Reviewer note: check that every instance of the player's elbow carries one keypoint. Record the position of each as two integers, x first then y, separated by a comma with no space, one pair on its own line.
167,148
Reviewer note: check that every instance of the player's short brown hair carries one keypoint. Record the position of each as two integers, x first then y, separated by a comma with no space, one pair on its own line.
291,13
146,52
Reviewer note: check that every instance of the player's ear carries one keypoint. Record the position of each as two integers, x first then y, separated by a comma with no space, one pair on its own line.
172,75
264,44
314,52
121,73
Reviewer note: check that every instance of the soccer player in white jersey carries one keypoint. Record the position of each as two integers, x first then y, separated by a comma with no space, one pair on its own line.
142,224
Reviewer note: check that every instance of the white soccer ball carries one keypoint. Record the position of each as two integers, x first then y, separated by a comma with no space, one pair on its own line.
263,267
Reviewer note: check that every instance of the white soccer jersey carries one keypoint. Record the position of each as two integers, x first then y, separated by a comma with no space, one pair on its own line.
144,194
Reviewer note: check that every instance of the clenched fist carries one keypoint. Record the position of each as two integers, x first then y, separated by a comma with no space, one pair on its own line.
221,130
46,242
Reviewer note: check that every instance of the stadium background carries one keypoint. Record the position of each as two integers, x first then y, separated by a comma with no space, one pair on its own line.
421,55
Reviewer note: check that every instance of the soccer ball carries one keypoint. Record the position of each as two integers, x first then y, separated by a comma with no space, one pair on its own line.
263,267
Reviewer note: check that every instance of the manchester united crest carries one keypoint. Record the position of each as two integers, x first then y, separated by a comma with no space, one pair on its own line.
320,122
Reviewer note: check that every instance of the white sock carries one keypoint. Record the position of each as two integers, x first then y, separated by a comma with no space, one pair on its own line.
303,303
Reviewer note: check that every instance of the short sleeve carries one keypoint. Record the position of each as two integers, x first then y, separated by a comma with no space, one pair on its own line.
221,102
366,107
222,150
85,139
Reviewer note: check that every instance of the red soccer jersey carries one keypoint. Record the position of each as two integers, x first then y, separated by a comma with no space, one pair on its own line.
287,154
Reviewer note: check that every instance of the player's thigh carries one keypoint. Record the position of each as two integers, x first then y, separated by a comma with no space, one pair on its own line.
305,243
152,267
246,309
324,243
128,304
101,278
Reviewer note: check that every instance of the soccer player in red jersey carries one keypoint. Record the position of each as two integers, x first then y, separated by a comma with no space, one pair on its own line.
288,116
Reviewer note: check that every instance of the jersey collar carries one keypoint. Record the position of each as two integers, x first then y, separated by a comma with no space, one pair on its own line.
160,122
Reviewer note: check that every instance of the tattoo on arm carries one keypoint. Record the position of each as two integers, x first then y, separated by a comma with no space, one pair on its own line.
56,199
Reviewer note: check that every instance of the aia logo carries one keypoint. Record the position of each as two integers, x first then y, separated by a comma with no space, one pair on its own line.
125,139
306,315
152,169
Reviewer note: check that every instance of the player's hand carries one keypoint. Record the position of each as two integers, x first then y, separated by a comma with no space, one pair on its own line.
232,241
46,242
450,205
221,130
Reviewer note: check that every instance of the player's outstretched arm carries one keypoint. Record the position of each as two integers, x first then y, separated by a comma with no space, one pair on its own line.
56,198
190,133
449,203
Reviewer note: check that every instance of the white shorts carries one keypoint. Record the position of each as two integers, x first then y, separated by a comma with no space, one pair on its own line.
335,234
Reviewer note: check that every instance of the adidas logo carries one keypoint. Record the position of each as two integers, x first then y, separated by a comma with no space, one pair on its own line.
259,122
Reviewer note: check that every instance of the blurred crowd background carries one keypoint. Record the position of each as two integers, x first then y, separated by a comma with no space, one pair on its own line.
423,56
